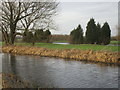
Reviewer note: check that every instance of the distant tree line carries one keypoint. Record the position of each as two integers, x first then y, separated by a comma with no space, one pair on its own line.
95,34
38,36
61,38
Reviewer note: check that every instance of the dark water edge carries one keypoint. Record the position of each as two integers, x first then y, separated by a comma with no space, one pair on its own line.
48,72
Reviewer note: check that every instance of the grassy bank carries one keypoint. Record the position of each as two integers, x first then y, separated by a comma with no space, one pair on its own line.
87,55
71,46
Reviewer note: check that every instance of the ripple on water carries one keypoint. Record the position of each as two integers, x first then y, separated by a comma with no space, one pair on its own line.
59,73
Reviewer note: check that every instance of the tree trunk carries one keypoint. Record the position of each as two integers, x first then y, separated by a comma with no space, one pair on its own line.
12,34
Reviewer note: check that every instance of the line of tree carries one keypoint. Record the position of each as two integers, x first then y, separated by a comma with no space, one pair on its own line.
61,38
38,36
95,34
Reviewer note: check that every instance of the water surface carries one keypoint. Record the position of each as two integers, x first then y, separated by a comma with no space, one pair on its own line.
48,72
60,43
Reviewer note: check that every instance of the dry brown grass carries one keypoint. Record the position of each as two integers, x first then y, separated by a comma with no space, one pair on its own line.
89,55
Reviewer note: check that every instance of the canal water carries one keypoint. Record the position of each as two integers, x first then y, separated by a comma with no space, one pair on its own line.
60,43
47,72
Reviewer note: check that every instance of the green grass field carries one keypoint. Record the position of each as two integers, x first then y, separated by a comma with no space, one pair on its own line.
71,46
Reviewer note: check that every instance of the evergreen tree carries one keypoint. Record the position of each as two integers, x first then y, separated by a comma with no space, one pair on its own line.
91,31
24,36
99,38
39,35
47,34
28,37
106,34
72,36
76,35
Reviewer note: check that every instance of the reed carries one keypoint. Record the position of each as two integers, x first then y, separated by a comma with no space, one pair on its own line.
87,55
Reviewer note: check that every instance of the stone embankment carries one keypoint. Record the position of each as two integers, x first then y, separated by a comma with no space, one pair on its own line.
88,55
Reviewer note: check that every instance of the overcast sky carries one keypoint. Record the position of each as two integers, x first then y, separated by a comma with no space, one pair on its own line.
70,14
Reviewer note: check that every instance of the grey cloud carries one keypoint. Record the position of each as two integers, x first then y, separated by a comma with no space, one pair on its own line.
74,13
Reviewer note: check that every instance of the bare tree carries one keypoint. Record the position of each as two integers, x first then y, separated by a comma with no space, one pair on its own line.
42,17
25,12
5,32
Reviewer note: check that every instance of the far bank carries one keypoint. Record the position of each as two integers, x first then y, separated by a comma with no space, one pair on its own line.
87,55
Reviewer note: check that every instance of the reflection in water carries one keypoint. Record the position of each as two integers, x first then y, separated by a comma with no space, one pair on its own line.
13,64
0,63
9,62
59,73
